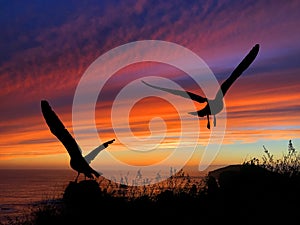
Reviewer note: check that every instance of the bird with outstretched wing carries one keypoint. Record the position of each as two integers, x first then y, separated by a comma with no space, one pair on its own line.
77,161
214,106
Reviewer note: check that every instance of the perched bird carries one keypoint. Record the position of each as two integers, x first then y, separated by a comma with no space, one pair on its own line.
214,106
77,161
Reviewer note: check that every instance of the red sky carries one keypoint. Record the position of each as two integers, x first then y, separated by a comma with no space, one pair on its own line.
46,47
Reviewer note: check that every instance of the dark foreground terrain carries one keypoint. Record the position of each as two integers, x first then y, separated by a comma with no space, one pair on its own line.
237,194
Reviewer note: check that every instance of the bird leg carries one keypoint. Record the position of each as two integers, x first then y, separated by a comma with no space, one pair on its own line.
215,120
208,123
77,177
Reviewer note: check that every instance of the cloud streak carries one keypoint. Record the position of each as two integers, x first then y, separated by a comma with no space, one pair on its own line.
42,58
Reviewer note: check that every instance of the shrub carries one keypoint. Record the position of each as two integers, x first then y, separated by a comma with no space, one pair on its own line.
288,165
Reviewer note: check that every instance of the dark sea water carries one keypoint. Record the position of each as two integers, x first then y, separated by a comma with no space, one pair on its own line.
22,190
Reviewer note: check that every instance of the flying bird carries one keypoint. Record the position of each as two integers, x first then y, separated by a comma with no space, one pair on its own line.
77,161
214,106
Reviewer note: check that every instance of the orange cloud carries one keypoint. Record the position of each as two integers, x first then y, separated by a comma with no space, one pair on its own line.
48,61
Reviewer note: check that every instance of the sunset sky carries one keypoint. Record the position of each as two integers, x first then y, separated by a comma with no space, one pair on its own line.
47,46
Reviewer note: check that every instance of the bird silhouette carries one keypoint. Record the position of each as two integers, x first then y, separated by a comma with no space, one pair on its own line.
214,106
77,161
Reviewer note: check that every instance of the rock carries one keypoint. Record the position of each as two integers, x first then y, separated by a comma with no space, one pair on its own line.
86,192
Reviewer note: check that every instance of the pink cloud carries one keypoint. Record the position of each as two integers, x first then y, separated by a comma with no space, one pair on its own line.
221,34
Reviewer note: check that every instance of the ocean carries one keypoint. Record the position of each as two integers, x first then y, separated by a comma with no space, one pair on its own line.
22,190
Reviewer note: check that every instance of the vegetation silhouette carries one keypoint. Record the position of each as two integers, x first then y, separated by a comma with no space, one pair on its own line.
252,192
214,106
77,161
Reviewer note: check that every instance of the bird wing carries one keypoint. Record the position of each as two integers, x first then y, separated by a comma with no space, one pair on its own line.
91,156
185,94
238,71
58,129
